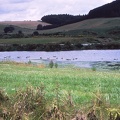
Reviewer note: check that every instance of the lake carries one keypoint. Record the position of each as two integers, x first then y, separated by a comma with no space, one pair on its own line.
101,59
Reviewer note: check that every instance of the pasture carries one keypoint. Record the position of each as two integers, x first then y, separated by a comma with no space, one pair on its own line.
39,40
85,89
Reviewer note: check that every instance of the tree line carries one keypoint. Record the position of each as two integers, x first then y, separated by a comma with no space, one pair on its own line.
106,11
59,20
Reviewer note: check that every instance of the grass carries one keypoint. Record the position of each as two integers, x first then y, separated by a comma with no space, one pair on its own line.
82,81
90,24
37,40
45,40
82,87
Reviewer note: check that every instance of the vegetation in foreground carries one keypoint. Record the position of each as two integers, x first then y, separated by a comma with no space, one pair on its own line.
34,92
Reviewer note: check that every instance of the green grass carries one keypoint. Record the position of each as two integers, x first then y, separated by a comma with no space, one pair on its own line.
38,40
45,40
35,92
82,83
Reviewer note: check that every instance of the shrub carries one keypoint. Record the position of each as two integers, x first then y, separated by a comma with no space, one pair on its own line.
51,64
29,62
9,29
3,96
20,34
35,33
56,65
93,68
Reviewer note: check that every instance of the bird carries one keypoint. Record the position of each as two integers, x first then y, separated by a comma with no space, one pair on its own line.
18,57
28,57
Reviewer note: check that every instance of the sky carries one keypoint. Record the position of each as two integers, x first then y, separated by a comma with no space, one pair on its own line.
19,10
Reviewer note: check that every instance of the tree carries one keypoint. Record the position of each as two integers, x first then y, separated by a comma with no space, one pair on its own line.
20,34
9,29
51,64
39,27
35,33
56,65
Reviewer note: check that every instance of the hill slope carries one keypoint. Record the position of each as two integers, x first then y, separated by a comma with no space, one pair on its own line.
109,10
96,25
106,11
24,24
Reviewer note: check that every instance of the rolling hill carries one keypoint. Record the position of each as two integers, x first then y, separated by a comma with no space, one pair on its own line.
27,27
109,10
98,26
24,24
106,11
104,32
102,26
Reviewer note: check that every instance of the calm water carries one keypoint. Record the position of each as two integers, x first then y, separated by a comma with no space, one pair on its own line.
86,58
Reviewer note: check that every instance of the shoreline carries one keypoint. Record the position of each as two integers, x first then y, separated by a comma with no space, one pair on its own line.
57,47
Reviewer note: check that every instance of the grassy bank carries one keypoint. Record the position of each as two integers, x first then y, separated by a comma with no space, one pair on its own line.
85,89
38,40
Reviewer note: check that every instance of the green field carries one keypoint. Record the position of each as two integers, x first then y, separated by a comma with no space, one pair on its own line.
38,40
83,86
45,40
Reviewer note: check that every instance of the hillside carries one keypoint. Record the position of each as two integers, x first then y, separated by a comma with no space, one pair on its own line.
99,26
106,21
106,11
102,33
24,24
27,27
109,10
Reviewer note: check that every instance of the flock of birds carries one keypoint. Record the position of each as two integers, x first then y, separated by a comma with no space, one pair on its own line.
41,58
53,58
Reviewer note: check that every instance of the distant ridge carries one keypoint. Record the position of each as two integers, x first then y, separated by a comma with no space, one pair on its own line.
89,24
24,24
109,10
106,11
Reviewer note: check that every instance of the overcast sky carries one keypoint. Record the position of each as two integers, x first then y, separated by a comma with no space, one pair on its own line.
18,10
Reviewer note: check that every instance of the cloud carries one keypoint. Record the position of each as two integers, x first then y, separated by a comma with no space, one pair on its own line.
35,9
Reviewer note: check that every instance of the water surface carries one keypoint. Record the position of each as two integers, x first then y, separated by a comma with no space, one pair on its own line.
83,58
